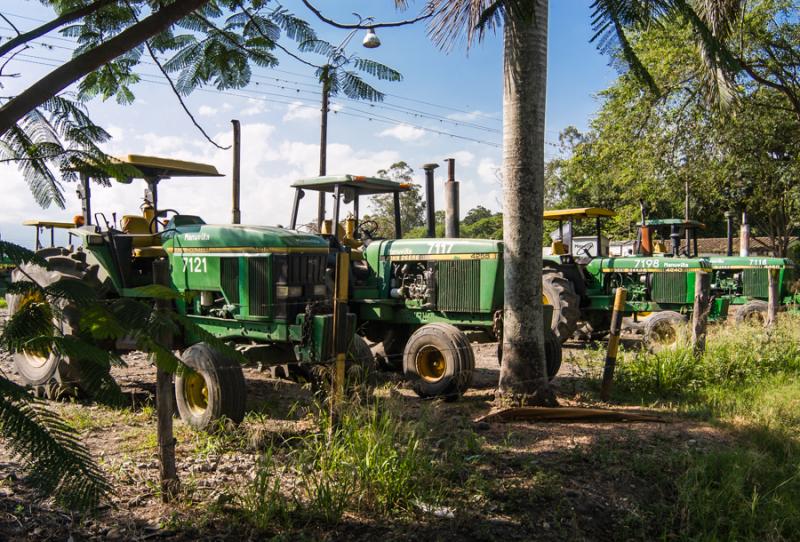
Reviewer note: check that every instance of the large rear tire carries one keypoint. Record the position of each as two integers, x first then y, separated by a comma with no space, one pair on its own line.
56,375
390,355
661,331
552,354
752,312
214,390
439,361
559,292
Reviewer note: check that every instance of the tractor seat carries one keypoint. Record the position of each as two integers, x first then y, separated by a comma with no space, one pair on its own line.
145,243
558,248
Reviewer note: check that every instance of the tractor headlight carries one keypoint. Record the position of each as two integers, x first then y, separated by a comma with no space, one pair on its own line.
320,290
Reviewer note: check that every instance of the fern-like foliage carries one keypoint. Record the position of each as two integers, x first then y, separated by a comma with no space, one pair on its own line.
55,142
55,461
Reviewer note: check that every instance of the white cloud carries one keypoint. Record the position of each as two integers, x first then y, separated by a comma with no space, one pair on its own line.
471,116
463,158
488,170
300,111
207,111
403,132
255,107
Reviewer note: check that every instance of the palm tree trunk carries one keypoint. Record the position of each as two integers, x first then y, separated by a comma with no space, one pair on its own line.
523,374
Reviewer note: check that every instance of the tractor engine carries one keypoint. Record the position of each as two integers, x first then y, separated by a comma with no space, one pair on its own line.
415,281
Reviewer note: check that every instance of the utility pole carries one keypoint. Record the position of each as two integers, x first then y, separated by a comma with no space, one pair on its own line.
323,143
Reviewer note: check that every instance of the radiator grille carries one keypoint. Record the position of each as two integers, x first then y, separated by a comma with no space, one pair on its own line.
258,286
755,283
229,279
669,287
458,286
306,269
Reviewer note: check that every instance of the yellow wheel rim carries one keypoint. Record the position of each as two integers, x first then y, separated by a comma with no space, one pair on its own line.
32,359
195,392
664,334
430,363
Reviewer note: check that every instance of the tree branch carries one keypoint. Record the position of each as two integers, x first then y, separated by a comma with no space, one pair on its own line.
180,100
78,67
278,45
345,26
55,23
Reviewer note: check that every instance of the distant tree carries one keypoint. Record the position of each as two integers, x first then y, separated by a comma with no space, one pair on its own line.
475,214
412,205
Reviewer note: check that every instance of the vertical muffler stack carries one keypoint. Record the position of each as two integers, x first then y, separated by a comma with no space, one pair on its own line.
729,233
430,206
744,237
237,170
451,203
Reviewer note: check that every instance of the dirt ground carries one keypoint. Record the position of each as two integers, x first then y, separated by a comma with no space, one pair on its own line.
580,481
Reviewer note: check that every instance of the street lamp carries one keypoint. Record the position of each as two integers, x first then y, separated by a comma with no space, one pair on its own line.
371,41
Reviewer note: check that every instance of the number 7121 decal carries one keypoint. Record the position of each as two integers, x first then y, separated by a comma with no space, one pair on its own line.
195,264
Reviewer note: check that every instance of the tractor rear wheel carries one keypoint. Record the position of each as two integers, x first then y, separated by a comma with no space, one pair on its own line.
439,361
360,371
55,375
558,291
661,330
215,389
752,312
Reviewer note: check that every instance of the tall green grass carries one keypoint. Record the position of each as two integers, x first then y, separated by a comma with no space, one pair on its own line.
372,462
748,381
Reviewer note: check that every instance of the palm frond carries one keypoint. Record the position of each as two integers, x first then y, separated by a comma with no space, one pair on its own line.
55,461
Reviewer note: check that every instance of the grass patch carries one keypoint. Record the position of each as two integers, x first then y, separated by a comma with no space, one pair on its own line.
748,382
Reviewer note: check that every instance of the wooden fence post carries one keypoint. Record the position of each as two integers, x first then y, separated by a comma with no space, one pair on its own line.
702,306
165,398
613,342
774,297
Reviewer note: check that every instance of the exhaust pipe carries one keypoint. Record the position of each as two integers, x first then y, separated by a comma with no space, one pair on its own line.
430,206
729,221
451,203
236,175
744,237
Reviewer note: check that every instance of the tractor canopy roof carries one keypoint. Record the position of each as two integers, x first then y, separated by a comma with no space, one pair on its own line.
362,185
580,213
675,222
49,224
164,168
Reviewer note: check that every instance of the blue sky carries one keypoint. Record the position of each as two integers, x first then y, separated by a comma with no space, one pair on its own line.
458,94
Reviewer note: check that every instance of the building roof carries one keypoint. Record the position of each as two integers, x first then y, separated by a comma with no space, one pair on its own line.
579,213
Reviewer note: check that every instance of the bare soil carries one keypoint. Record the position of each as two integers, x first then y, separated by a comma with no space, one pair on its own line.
578,481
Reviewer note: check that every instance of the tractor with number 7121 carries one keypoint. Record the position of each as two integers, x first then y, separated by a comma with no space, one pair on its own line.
263,290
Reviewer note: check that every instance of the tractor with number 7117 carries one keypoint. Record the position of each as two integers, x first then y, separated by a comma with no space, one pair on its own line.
263,290
423,299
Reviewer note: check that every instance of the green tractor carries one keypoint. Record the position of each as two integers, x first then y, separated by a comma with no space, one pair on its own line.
264,290
660,286
742,280
423,299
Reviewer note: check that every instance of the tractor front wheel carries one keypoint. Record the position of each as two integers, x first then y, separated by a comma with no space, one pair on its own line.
552,354
752,312
662,329
214,389
439,361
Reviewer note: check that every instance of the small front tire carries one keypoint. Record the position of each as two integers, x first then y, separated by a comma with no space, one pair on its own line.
661,331
214,390
439,361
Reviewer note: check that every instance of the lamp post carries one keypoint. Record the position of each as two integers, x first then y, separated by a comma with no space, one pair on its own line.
371,41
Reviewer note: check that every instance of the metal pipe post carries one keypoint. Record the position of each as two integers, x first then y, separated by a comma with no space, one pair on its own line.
613,342
451,202
236,174
430,206
398,227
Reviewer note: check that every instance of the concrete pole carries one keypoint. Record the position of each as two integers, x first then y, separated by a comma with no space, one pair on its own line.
744,237
430,205
236,174
452,213
323,144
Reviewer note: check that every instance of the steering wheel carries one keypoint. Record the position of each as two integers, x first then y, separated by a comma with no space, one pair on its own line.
368,228
161,213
